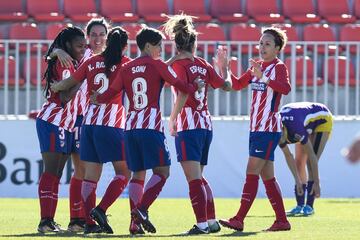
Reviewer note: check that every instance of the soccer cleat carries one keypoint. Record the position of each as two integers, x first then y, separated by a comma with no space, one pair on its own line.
307,210
295,211
47,225
76,225
92,228
232,223
99,216
143,218
135,228
279,226
195,230
215,227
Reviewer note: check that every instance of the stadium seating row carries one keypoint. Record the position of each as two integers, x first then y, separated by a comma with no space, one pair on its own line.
269,11
299,75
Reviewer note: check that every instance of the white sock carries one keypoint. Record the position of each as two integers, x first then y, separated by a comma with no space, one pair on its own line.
202,225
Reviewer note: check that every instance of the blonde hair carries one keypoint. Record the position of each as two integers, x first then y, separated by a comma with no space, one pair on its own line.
180,28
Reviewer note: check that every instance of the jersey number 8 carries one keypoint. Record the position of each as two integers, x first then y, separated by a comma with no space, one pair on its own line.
139,87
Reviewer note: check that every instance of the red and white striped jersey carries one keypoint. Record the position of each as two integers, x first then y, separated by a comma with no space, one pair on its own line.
264,116
111,113
52,111
195,113
143,79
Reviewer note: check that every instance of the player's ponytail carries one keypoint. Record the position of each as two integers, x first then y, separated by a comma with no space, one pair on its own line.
115,44
181,29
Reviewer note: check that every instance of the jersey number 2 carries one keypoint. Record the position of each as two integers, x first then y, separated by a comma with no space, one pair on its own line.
101,78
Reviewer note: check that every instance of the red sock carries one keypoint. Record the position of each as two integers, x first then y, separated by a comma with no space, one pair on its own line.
55,197
274,194
136,191
248,195
198,199
76,203
88,193
45,191
152,189
113,191
210,206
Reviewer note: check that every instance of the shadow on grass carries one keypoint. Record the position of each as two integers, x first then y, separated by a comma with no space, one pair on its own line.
355,201
238,234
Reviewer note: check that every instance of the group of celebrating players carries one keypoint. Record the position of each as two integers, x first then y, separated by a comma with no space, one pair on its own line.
85,90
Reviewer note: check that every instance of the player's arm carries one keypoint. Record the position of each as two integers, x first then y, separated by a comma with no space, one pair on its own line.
242,82
179,104
314,167
292,166
64,58
115,88
222,62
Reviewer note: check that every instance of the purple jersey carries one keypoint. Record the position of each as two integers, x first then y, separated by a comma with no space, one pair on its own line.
302,118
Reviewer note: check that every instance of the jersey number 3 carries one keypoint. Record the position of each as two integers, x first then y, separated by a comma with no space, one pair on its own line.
139,87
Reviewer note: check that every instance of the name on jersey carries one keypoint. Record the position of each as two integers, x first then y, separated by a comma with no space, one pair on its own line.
197,69
258,86
138,69
100,65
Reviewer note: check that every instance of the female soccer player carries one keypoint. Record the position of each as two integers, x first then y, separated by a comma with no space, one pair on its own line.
191,119
102,132
96,31
309,125
269,80
53,123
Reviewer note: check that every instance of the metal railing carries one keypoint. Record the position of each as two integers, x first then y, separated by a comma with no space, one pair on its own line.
337,85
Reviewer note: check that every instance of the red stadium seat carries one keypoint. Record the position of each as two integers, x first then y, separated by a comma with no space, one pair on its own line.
52,30
118,11
234,67
341,71
33,70
80,10
43,11
25,31
335,11
350,33
194,8
12,11
300,11
300,71
253,33
319,33
132,30
153,11
209,32
11,72
231,11
264,11
292,36
357,8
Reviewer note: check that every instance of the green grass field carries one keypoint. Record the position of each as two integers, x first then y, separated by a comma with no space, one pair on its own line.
334,219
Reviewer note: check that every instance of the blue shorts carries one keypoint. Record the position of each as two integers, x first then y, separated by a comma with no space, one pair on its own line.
52,138
146,149
101,144
76,136
193,145
263,144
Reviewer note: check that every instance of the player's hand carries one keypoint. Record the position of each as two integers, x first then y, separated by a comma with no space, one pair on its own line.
353,152
221,59
256,68
54,86
64,58
93,97
173,127
316,189
299,189
199,82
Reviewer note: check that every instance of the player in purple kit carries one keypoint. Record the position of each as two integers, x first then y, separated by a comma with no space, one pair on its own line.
102,131
269,80
308,125
53,124
190,120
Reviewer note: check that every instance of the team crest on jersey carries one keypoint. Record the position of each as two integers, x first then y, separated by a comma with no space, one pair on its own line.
171,70
62,143
66,73
258,86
